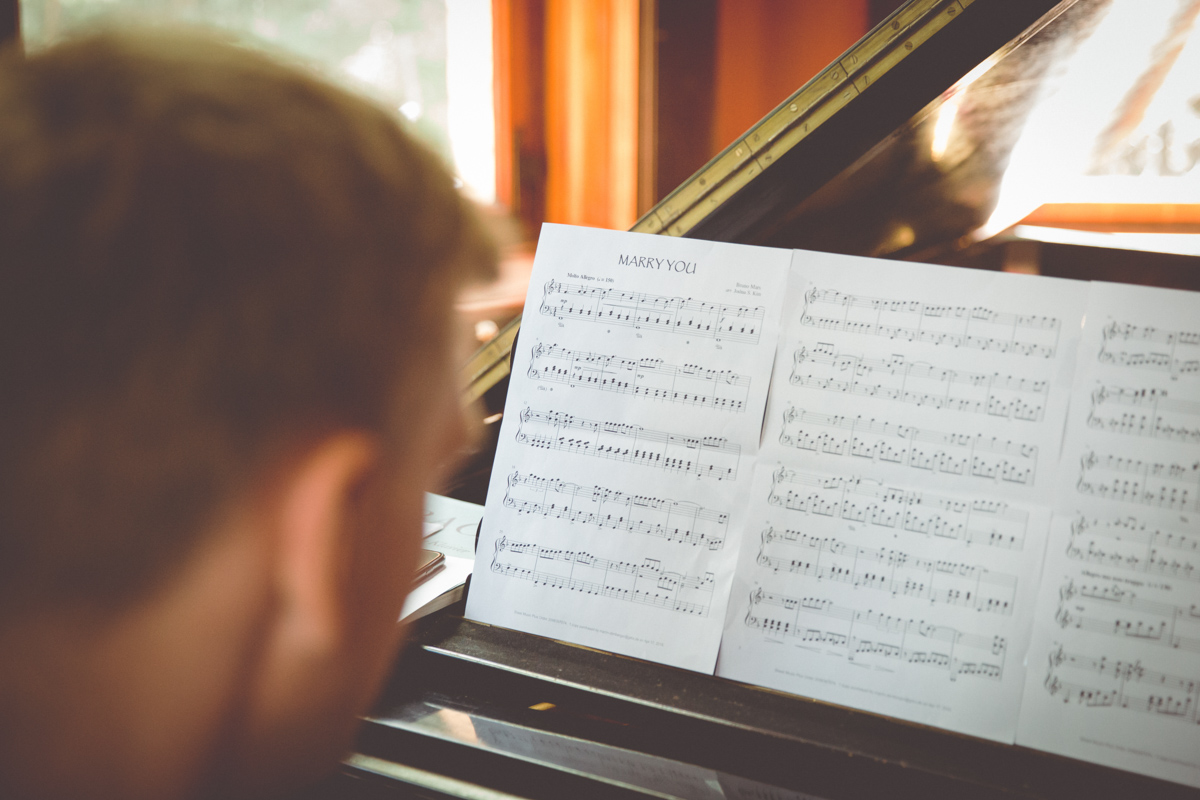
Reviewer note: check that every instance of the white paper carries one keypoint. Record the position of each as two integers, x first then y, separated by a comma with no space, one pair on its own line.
628,440
450,526
1114,669
453,573
900,506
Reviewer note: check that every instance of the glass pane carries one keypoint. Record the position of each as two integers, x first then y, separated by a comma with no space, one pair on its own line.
410,54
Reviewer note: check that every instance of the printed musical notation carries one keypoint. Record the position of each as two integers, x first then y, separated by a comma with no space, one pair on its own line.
1131,685
973,455
957,326
722,323
990,522
896,378
673,520
1116,610
646,583
1147,347
893,571
723,390
702,456
1149,413
870,635
1148,483
1129,544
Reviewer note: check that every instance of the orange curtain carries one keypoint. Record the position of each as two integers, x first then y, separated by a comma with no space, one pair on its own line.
592,112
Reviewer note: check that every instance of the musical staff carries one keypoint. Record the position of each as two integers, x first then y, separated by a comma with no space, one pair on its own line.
895,378
722,323
990,522
1154,414
1130,685
871,635
673,520
1129,544
957,326
937,580
1146,347
973,455
645,377
702,456
1116,610
646,583
1148,483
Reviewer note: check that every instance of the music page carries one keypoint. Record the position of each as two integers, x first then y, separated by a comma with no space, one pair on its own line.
627,447
1114,668
902,498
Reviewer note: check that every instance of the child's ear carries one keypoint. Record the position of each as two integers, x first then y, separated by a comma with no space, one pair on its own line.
297,697
316,514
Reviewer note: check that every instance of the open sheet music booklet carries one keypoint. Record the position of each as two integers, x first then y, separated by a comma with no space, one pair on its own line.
961,498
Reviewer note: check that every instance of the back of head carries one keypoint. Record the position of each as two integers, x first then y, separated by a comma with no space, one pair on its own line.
208,261
203,254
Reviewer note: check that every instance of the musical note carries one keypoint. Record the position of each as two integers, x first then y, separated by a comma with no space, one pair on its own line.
888,638
645,377
1115,610
646,583
1130,685
1131,480
703,456
991,522
977,455
1126,543
895,378
894,571
913,321
683,315
675,521
1146,347
1155,414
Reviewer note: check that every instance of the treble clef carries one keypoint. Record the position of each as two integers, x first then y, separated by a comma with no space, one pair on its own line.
1057,657
539,350
1063,617
521,436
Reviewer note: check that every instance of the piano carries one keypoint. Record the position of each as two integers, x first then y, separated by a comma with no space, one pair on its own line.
860,161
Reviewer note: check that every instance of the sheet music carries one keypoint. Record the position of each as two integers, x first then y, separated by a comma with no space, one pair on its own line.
1114,667
902,497
628,443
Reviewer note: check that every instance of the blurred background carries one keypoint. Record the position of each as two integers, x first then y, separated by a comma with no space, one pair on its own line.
574,111
590,112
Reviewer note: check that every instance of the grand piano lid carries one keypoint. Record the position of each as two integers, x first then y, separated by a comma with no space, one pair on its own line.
784,182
